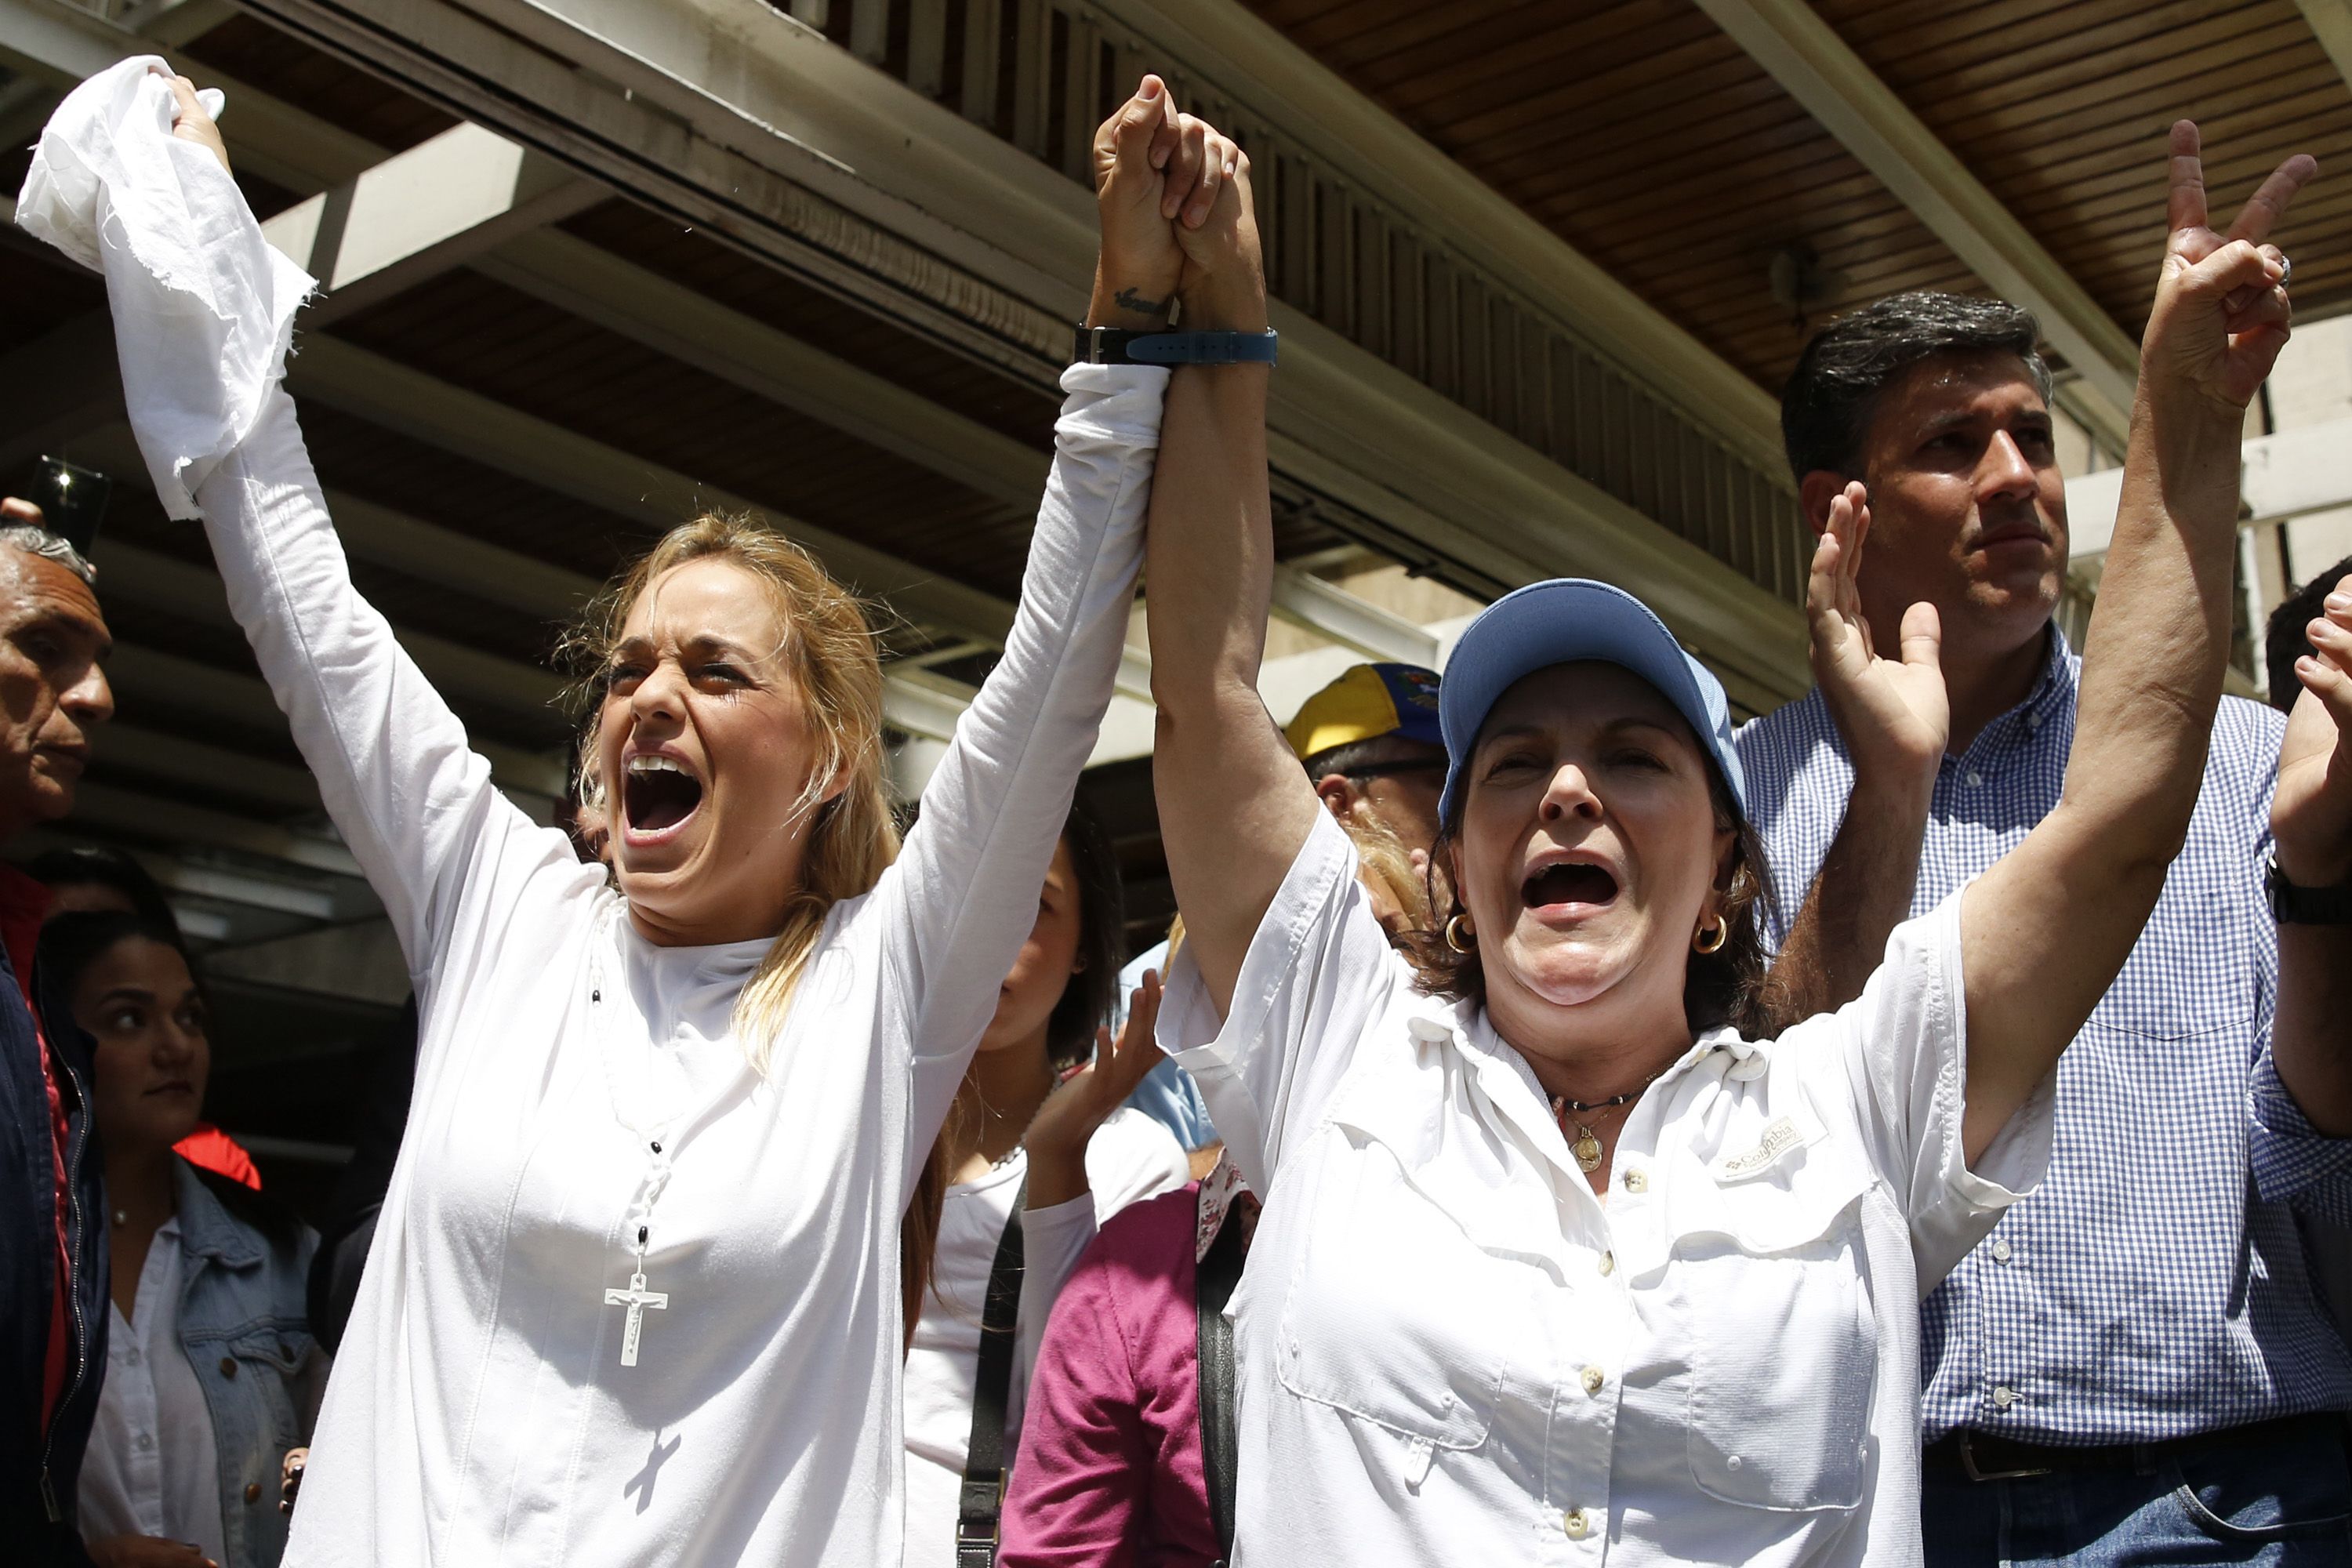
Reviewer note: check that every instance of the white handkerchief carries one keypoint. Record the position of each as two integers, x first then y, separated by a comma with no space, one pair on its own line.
203,307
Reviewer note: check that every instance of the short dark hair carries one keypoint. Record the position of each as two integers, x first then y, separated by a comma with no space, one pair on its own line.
1826,407
1091,998
94,865
72,942
2284,642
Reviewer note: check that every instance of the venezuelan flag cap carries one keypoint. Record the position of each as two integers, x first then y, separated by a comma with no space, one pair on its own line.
1366,703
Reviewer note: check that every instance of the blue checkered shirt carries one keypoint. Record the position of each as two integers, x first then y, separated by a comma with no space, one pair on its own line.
2157,1284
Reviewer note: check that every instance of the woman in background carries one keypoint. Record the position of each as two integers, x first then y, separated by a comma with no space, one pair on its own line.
212,1375
1035,1127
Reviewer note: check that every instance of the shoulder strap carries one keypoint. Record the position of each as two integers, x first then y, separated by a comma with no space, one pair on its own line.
983,1500
1213,1287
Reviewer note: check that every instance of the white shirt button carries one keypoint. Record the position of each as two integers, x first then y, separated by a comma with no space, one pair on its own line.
146,1441
134,1356
2001,1249
1732,1463
1593,1378
1577,1522
1608,1264
1975,778
1636,1183
2004,1396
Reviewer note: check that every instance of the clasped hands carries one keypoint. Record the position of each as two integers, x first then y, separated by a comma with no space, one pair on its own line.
1178,221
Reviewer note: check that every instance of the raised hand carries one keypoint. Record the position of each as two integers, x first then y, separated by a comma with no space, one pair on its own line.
1893,714
2222,313
1177,219
1154,170
1058,1134
191,123
2311,814
1223,282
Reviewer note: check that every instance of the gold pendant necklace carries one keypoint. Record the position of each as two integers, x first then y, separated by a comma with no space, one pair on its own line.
1585,1143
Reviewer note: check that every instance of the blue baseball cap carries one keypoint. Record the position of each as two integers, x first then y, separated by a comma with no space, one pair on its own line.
1570,620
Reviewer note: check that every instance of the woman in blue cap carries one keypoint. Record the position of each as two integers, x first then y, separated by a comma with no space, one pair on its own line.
1557,1261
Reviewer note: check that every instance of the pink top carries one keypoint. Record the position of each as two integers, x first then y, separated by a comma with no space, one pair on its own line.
1109,1470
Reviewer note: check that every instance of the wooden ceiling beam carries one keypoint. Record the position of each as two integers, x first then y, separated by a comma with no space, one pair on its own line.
2332,21
479,181
732,117
138,812
1824,75
61,44
146,680
395,219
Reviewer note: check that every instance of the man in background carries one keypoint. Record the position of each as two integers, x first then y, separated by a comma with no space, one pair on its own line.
53,1276
2145,1325
1370,741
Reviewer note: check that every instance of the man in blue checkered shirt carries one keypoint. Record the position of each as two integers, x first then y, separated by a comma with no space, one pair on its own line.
2136,1366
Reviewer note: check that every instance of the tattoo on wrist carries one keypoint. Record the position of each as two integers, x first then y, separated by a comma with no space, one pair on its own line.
1128,299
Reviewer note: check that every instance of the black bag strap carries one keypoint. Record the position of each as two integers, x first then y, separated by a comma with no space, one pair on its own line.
983,1500
1213,1287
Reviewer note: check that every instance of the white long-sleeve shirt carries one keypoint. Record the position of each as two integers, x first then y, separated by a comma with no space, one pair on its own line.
479,1412
1451,1352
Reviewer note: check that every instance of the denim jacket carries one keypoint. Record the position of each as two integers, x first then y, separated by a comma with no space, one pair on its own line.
242,1324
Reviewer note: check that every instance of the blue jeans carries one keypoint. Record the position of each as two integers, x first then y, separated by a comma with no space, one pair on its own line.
2280,1504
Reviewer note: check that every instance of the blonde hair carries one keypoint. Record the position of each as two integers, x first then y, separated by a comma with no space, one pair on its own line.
1385,866
831,655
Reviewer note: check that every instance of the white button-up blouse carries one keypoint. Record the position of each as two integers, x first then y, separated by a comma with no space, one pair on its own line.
1452,1352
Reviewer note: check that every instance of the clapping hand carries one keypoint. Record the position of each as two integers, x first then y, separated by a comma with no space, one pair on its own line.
2311,814
1893,714
2222,313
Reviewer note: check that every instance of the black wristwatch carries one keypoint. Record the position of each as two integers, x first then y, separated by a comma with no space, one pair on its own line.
1167,345
2291,905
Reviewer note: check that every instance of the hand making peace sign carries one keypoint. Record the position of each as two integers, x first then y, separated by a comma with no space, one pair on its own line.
2221,311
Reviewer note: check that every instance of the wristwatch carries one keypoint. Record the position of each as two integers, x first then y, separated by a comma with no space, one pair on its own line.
2291,905
1115,345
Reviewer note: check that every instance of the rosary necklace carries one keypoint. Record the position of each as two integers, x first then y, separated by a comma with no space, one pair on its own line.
636,1297
1585,1144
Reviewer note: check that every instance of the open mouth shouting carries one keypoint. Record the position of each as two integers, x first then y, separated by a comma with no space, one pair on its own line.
659,795
1566,886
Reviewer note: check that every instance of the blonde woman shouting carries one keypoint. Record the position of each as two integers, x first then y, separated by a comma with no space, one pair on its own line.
1559,1263
633,1296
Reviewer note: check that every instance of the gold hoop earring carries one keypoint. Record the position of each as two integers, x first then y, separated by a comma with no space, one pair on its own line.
1460,937
1712,936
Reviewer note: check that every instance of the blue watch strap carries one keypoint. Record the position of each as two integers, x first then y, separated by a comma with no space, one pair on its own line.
1112,345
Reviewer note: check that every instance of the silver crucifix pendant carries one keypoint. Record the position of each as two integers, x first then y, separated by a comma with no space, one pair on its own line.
636,1299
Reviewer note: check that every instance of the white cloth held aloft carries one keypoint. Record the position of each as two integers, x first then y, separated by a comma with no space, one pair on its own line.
114,189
